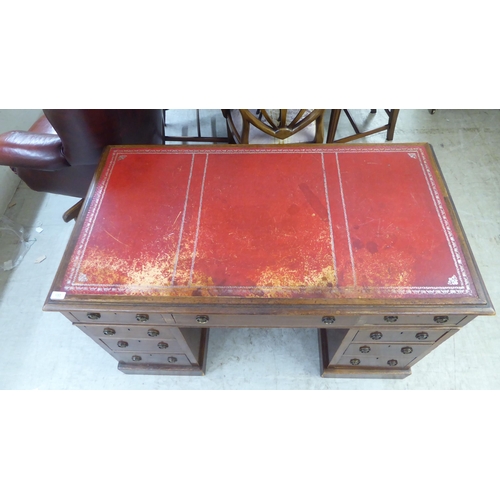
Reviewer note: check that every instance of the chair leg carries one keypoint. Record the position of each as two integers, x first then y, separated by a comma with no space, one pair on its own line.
332,126
392,124
72,213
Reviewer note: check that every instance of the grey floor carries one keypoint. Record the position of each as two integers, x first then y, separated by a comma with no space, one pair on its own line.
41,350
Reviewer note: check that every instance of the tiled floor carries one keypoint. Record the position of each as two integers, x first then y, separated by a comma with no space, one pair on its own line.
40,350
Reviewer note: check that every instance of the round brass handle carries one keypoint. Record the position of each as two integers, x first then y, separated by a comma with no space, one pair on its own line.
202,319
441,319
153,333
122,344
376,335
422,335
390,319
355,361
364,349
172,359
108,331
392,362
162,345
328,320
94,316
406,350
142,318
136,358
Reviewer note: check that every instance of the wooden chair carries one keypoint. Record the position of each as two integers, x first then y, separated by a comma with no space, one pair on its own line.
390,126
199,137
279,126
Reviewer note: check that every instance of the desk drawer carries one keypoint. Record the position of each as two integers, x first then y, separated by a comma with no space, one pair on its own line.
417,319
406,351
395,362
130,331
397,335
268,320
152,359
123,318
162,346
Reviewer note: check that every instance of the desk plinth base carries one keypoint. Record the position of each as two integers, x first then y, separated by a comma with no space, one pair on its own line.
328,353
195,369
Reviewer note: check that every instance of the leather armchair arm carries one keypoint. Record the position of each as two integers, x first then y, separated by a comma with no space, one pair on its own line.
31,150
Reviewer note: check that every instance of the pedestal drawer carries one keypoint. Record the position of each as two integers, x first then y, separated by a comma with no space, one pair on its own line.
142,345
374,361
156,359
129,331
416,335
406,351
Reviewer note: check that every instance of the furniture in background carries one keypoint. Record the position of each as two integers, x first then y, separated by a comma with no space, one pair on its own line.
392,117
199,137
278,126
359,241
60,152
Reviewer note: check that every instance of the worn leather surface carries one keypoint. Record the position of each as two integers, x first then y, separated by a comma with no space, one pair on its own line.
61,151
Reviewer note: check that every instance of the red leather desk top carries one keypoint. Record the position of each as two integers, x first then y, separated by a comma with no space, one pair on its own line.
363,221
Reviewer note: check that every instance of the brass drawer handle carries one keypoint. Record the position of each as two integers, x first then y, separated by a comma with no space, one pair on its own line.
172,359
355,361
136,358
376,335
392,362
328,320
162,345
406,350
390,319
153,333
109,331
122,344
441,319
202,319
94,316
364,349
422,335
142,318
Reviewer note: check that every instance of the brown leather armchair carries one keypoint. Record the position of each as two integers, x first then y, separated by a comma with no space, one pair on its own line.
60,152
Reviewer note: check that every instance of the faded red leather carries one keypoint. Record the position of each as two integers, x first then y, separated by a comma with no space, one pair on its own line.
61,151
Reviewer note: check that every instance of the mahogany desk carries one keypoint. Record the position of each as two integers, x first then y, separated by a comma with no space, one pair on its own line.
359,241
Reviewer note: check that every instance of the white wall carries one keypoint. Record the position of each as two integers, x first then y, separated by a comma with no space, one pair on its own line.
13,119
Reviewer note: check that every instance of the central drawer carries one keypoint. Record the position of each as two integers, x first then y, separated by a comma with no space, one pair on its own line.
266,320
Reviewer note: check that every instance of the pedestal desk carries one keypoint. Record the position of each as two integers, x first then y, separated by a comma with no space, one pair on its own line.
361,242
